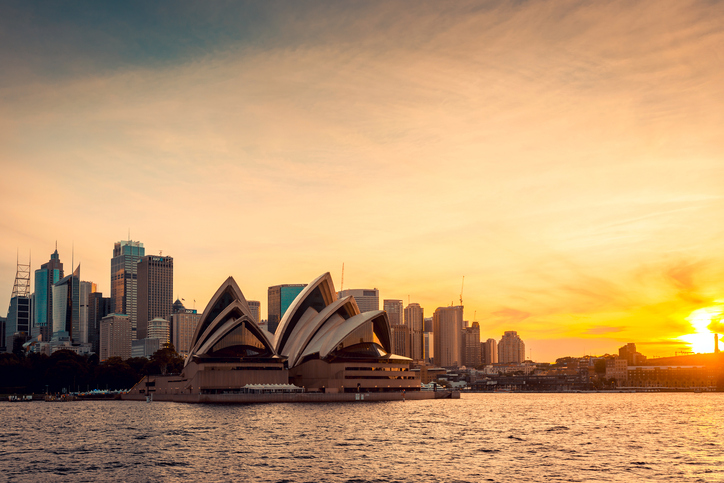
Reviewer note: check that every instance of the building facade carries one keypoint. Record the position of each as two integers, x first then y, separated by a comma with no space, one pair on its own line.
255,307
66,307
393,307
367,299
401,340
183,325
447,325
46,276
124,280
98,307
471,346
159,328
414,320
155,291
115,337
489,351
20,311
280,297
511,348
86,288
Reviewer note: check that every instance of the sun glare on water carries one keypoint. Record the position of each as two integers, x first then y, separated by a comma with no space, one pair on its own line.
702,340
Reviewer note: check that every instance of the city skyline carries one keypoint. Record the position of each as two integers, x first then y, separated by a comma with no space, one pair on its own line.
565,159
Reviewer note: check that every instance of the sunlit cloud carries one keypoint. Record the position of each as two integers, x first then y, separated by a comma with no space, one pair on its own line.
565,158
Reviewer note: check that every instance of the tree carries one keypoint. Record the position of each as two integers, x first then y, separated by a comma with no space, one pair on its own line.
166,360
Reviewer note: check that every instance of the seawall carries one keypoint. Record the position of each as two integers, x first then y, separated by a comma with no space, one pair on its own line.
295,397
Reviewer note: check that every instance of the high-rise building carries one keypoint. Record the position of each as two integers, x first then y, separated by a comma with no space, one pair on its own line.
427,324
124,280
629,353
3,321
471,345
511,348
280,298
447,325
20,312
86,288
115,337
414,320
183,326
159,328
400,340
489,351
366,299
255,307
98,307
46,276
155,291
66,307
429,347
394,311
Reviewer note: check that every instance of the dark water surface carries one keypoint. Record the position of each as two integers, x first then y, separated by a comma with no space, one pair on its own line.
481,437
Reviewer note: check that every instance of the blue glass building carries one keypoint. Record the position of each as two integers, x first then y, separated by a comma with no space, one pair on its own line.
280,298
45,277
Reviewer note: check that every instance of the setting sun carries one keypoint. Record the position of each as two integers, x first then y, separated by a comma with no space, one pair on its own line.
703,321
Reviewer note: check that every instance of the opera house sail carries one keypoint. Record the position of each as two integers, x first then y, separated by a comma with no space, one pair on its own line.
323,345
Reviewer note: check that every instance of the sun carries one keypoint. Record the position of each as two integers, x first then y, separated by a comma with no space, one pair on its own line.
702,340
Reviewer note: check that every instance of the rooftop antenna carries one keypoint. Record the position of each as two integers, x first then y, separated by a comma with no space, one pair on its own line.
342,286
408,300
129,234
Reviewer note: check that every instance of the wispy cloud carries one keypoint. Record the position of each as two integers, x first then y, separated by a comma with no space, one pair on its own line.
565,157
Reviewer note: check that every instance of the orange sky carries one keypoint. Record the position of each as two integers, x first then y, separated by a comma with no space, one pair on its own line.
567,159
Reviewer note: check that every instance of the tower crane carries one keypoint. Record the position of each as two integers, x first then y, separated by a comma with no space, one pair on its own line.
461,290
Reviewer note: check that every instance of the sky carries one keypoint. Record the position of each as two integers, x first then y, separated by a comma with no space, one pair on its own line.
565,158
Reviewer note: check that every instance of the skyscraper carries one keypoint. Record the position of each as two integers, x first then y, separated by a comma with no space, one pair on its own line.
394,311
98,307
471,345
3,321
255,307
124,280
400,339
46,276
414,317
366,299
183,325
115,340
489,351
20,311
159,328
86,288
280,298
511,348
66,307
155,291
447,325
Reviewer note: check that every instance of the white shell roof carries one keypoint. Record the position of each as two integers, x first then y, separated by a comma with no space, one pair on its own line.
236,295
301,334
325,284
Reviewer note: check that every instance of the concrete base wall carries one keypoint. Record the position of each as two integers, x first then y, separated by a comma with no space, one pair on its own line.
295,397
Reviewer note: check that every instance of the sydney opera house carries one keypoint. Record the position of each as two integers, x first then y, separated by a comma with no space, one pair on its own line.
323,346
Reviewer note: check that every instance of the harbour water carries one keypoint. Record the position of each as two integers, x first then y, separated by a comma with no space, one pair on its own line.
480,437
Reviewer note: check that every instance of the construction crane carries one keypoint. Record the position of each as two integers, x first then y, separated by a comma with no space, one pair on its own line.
461,290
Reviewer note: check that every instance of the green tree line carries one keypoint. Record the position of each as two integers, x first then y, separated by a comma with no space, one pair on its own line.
37,373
